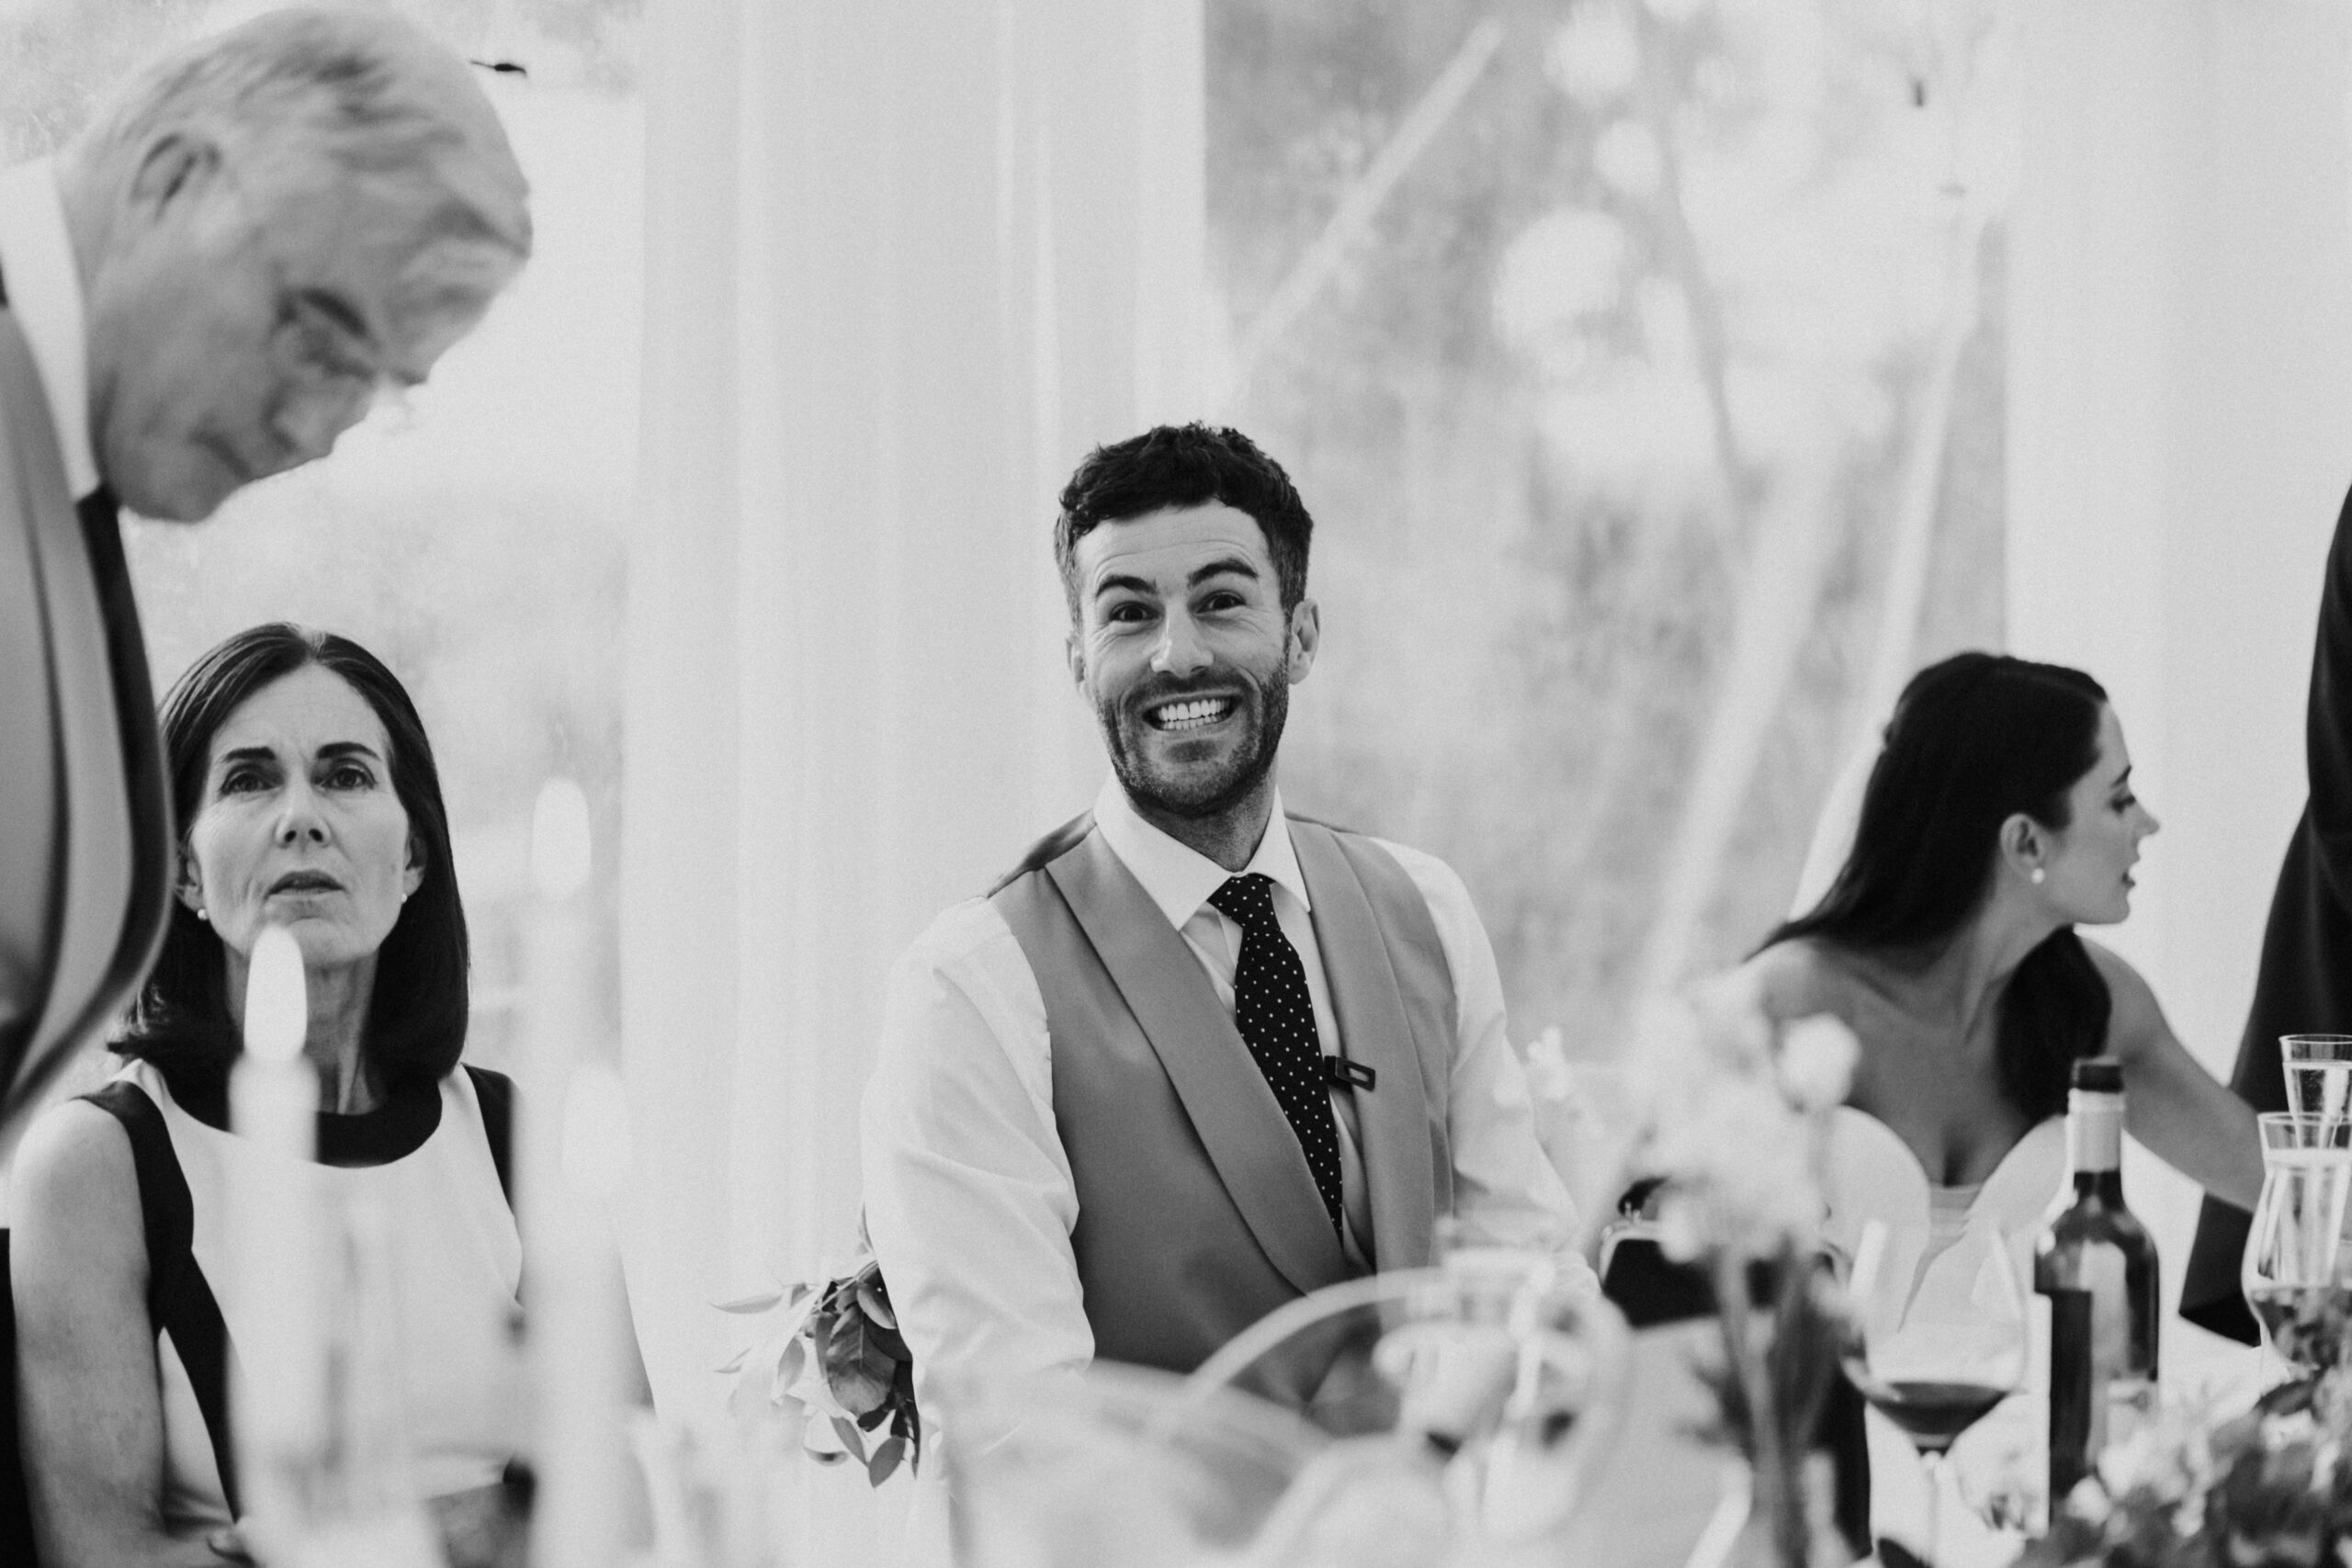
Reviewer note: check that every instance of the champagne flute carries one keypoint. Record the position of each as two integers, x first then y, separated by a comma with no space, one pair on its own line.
1933,1362
2318,1068
2295,1269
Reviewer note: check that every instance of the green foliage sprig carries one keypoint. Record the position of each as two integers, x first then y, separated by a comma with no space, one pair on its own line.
831,1359
2267,1489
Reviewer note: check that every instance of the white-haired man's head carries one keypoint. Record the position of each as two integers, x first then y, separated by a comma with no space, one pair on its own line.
271,225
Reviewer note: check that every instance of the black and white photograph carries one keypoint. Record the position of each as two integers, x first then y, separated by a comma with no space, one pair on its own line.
1175,784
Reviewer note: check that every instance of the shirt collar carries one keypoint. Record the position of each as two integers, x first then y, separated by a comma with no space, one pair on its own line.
45,294
1178,877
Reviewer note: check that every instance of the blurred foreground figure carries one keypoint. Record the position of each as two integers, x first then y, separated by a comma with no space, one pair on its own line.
2303,985
208,286
1194,1057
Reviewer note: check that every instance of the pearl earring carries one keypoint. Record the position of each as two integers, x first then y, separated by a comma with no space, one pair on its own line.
2035,877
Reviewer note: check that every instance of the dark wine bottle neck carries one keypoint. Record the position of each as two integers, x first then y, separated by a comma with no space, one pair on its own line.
2106,1185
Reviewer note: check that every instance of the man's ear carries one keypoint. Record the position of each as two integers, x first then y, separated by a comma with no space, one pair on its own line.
1074,653
1302,636
176,164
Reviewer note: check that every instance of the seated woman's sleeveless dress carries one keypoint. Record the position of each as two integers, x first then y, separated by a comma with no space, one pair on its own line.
1871,1174
432,1158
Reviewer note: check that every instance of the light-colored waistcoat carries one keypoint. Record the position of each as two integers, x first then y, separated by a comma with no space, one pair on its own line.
1197,1212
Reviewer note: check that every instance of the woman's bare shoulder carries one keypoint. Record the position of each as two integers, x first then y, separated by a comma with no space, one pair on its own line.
2135,1013
74,1167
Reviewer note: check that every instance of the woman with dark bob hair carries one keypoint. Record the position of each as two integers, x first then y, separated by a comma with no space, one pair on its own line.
307,798
2000,817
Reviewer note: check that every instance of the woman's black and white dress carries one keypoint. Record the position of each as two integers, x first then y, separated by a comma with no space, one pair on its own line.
431,1158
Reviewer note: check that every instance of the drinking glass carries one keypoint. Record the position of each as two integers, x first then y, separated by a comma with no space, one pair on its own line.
2296,1263
1473,1405
1933,1362
1117,1467
2319,1073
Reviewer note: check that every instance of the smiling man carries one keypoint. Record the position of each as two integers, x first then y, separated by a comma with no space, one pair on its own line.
1194,1057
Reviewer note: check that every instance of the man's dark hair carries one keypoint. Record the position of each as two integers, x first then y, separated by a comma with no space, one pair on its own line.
1975,740
1184,465
416,1019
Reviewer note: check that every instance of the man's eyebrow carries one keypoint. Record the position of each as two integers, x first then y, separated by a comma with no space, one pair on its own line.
1224,566
339,310
1238,565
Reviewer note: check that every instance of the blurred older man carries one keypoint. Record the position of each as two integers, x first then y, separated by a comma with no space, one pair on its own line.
210,285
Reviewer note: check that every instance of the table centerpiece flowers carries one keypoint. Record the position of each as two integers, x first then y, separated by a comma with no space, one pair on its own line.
2270,1488
1728,1123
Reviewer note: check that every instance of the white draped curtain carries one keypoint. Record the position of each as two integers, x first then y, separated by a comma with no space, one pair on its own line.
2179,440
907,262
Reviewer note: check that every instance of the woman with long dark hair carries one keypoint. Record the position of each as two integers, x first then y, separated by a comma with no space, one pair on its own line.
1999,819
307,799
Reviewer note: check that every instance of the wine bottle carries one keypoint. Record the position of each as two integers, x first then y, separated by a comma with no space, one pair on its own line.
2098,1266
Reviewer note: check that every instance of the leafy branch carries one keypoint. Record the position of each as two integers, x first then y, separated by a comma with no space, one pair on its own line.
832,1358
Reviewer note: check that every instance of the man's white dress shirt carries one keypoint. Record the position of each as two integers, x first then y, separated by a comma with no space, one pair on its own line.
968,1193
44,290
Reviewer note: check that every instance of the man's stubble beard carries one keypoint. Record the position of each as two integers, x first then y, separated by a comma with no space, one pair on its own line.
1221,793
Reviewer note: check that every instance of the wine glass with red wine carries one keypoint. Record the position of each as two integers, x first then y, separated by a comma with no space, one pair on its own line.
1935,1335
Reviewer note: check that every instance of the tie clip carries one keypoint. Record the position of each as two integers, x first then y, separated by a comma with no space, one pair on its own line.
1344,1073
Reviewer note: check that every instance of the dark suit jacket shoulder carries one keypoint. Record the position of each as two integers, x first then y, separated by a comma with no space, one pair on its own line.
85,831
2303,984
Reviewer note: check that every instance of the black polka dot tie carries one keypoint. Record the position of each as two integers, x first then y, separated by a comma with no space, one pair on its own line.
1276,1017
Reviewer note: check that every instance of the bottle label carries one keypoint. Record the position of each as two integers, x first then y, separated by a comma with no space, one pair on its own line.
2071,1387
2110,1346
2095,1132
2131,1401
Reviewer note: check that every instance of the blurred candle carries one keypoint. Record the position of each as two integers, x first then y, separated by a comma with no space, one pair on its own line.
576,1154
277,1244
559,849
581,1518
597,1150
